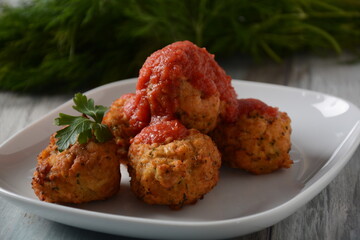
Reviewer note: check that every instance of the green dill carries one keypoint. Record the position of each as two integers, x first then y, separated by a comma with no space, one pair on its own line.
69,45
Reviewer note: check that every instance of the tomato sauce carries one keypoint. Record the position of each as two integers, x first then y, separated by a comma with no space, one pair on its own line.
248,105
158,84
138,111
161,131
164,69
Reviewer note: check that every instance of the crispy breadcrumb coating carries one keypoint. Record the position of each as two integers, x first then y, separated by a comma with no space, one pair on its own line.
81,173
118,122
259,141
175,173
195,110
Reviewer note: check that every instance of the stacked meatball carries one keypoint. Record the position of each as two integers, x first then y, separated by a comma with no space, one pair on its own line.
182,96
182,122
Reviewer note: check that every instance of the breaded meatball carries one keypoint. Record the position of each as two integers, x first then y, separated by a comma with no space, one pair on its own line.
183,81
81,173
118,122
259,141
197,112
175,172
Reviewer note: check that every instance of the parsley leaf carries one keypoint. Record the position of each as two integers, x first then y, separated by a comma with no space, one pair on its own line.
102,132
85,106
82,128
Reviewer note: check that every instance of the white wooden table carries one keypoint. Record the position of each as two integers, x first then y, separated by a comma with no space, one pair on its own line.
333,214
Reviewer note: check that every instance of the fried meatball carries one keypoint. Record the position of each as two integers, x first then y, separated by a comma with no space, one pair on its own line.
175,172
183,81
117,120
259,141
197,112
81,173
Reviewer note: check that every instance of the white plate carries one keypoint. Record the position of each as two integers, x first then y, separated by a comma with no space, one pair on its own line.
325,134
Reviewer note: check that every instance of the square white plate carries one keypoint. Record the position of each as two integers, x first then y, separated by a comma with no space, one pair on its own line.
325,134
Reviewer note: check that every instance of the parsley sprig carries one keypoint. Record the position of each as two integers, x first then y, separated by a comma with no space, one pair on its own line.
82,128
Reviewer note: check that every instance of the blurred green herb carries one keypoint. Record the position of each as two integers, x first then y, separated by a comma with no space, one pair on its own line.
67,45
81,128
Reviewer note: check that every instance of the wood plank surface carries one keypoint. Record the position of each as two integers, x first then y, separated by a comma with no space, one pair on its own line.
333,214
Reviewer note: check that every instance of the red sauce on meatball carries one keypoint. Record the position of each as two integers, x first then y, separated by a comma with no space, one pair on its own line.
160,131
158,83
246,106
164,69
138,110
